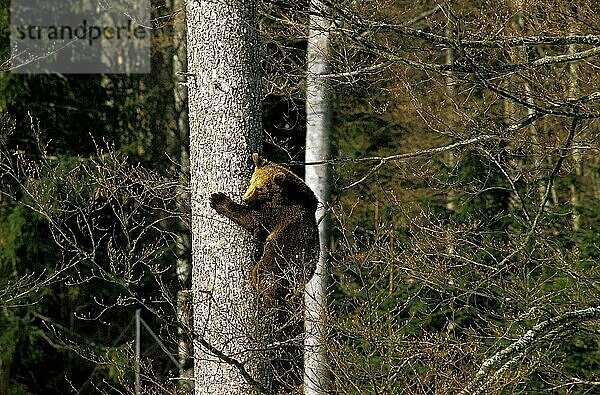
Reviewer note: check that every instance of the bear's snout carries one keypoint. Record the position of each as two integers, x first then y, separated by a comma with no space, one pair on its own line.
248,196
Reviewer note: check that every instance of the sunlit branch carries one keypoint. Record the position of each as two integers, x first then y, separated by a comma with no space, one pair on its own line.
503,359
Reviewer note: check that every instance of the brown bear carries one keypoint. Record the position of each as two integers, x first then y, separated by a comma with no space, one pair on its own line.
280,211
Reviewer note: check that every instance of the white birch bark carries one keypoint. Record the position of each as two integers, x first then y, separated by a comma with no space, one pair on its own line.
182,245
318,134
514,112
496,365
450,158
575,154
224,122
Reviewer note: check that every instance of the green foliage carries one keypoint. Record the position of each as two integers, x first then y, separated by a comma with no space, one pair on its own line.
118,365
11,240
17,334
82,118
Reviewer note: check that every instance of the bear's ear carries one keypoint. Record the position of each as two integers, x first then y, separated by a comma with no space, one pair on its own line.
258,161
278,178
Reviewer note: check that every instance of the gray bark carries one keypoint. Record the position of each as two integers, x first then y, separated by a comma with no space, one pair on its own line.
224,119
318,134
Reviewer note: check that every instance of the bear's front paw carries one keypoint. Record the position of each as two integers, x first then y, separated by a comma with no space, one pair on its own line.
219,201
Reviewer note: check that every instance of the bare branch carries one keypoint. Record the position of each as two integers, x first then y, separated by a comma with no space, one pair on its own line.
502,359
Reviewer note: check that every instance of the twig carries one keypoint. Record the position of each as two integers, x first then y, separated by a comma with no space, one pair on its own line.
563,155
508,356
235,363
384,160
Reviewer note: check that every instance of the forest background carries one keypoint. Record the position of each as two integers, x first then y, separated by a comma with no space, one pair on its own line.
465,204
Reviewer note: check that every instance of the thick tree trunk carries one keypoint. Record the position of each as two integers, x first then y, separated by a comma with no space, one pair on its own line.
318,135
224,119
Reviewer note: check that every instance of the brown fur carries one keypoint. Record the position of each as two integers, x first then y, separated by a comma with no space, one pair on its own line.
280,212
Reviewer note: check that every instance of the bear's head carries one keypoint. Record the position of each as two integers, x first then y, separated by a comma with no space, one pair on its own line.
266,182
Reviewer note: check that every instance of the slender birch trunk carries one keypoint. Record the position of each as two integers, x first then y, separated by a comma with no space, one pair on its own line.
318,134
225,128
513,111
575,154
450,158
183,242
